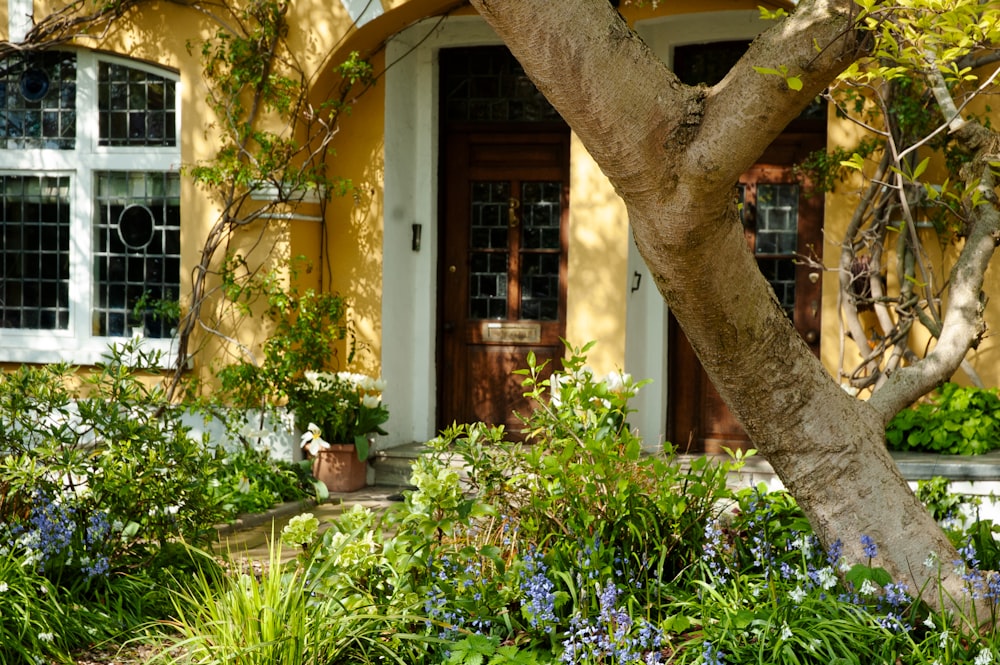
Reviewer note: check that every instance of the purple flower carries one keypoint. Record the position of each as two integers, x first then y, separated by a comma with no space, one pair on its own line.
871,551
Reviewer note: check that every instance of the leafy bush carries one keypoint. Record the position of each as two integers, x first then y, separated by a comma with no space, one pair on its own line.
953,421
98,473
583,477
251,481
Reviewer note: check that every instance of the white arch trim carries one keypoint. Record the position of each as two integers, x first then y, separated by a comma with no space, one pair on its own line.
409,278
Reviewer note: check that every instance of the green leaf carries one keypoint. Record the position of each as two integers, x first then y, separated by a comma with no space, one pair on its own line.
794,82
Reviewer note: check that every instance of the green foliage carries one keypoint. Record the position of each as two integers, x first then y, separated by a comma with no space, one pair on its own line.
32,621
826,168
342,407
583,476
109,451
307,329
953,421
943,505
250,481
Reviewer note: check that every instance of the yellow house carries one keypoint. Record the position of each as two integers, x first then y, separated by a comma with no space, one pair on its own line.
477,229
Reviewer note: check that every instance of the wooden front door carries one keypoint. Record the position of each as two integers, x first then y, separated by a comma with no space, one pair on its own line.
503,268
782,221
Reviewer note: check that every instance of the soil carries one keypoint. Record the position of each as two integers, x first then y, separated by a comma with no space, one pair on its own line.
127,655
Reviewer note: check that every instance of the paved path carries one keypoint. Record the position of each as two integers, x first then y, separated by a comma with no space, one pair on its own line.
249,537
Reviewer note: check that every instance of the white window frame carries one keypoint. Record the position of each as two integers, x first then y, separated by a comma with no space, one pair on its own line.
77,344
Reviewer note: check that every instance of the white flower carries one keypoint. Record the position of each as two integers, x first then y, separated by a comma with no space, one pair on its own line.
617,380
798,595
931,560
312,441
985,657
827,578
371,401
3,587
868,588
555,387
929,622
46,637
379,384
786,632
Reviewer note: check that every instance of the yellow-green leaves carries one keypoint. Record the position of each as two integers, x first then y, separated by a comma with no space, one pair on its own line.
793,82
772,15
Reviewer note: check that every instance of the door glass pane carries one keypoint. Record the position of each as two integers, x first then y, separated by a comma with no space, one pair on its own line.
540,287
777,239
490,201
541,213
489,258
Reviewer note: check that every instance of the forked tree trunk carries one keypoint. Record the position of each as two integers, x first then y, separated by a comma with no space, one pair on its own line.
673,153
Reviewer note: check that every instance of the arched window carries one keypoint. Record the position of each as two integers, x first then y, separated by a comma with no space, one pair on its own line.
89,204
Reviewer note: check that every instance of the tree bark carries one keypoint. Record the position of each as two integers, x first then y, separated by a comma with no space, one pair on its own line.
674,154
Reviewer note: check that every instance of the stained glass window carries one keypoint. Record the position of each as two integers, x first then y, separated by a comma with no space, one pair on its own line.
38,101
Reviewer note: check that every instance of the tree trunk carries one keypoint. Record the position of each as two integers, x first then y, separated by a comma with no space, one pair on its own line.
674,154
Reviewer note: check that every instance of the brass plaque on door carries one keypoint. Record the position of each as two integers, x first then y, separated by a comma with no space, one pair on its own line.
523,333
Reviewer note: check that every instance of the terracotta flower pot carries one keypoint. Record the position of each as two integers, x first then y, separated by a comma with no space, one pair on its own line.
339,468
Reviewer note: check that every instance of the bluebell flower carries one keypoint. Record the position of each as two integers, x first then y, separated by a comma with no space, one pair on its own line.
871,551
712,656
538,591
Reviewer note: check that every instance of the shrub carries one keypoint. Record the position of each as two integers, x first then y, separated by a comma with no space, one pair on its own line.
250,481
953,421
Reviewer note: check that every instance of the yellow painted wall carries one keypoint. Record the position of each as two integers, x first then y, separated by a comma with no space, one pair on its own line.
353,244
598,262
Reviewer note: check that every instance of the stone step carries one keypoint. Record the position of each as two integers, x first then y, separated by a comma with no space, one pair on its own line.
392,466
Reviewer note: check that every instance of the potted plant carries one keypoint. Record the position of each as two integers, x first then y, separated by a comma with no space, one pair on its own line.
340,414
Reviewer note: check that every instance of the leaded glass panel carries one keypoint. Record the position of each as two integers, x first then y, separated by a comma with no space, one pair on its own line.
488,285
540,287
487,84
34,254
136,251
777,217
488,268
38,101
135,107
541,205
490,203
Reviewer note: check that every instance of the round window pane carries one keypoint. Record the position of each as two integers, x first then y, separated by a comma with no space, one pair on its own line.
34,84
136,226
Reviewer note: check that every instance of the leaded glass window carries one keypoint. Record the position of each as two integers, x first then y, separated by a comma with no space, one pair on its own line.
541,205
777,238
487,84
34,252
38,101
89,240
136,251
489,258
136,108
515,239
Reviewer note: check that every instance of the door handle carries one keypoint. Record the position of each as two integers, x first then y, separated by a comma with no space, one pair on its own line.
512,207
